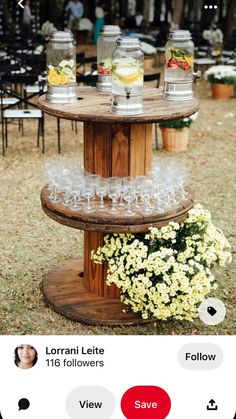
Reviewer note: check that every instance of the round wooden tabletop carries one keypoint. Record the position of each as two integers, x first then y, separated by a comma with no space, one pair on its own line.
94,106
106,222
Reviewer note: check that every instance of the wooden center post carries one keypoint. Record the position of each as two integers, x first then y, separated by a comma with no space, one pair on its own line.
112,150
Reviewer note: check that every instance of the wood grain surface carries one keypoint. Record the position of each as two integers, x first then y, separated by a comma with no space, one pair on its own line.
65,291
106,222
94,106
117,149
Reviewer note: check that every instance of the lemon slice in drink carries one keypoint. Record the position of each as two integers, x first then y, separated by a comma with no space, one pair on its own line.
64,78
127,74
54,77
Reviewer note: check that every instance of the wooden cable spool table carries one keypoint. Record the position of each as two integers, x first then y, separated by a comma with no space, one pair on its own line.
114,145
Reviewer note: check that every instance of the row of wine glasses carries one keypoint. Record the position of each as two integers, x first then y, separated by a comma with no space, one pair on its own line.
163,187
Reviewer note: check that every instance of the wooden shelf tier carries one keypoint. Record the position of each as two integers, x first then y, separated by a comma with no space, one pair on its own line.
94,106
78,289
106,222
65,290
114,145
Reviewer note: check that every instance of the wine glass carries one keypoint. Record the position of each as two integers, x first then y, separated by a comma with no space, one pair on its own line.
146,194
114,191
101,188
129,192
77,188
88,193
137,189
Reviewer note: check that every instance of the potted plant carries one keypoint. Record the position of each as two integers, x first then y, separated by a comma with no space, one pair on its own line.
175,134
222,79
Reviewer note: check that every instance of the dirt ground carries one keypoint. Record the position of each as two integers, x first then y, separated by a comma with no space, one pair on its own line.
31,244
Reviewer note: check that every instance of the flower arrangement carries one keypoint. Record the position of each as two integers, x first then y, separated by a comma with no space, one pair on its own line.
47,28
166,273
223,74
214,37
148,49
85,24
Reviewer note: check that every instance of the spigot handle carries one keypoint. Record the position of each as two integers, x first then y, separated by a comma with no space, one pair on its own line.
41,83
41,79
197,74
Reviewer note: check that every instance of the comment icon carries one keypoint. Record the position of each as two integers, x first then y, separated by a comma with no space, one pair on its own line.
23,404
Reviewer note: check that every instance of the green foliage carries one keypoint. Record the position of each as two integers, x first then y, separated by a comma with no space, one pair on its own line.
226,80
177,123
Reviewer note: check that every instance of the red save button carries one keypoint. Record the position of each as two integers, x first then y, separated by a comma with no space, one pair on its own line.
151,402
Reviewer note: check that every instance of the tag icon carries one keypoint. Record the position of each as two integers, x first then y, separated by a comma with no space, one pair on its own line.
211,310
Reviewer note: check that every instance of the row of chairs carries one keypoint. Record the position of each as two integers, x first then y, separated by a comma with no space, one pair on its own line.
15,105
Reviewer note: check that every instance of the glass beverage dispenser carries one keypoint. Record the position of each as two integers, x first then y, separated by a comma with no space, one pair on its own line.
105,46
127,77
61,68
179,60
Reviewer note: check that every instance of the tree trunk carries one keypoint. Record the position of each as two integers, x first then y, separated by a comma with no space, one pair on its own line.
158,7
89,8
146,10
178,10
169,9
229,25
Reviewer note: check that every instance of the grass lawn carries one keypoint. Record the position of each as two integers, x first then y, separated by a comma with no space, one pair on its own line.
31,244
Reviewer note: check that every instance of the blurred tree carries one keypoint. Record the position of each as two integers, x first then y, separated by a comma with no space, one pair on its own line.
230,21
178,12
182,11
52,10
157,6
208,15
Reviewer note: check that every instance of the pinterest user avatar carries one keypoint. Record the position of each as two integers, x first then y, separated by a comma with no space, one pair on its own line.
25,356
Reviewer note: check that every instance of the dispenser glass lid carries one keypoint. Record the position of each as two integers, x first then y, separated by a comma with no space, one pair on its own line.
111,30
61,36
180,35
127,42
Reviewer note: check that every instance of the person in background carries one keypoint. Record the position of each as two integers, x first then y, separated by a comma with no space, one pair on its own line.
139,20
25,356
76,11
27,19
100,20
135,22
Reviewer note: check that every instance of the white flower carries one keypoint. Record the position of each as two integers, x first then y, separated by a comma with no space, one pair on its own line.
47,28
148,49
221,72
85,24
214,36
155,277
